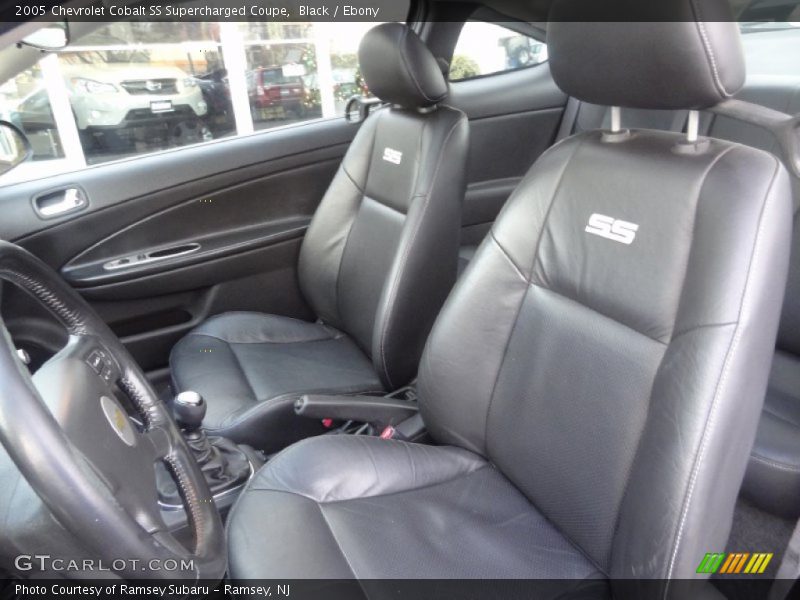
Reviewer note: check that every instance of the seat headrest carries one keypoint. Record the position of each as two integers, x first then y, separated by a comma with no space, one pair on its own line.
679,58
398,67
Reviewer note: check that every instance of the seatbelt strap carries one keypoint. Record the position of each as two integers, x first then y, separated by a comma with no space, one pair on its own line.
789,571
568,120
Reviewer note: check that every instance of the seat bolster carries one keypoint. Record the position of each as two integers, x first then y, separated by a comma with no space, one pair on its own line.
285,536
773,473
314,468
242,327
418,286
772,481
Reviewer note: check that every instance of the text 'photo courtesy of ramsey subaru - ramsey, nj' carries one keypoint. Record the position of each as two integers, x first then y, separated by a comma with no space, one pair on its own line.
400,299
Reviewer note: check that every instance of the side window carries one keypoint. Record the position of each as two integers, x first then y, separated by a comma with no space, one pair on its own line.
133,88
24,101
487,48
305,71
130,93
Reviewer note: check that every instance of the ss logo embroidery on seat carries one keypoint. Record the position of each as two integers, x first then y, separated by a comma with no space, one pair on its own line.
393,156
610,228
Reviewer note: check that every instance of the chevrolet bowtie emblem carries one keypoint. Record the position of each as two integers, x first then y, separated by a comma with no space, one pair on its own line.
118,420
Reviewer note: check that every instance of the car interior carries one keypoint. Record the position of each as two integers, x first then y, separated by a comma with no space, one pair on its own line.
536,323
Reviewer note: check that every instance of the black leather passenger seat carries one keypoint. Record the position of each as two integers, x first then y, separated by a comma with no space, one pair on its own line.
772,481
592,390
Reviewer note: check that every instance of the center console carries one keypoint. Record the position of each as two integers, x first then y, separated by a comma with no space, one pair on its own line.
228,466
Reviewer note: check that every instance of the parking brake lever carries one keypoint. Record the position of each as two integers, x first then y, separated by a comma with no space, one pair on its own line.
378,411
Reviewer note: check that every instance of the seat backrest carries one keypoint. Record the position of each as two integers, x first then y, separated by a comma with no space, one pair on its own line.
608,346
770,481
381,252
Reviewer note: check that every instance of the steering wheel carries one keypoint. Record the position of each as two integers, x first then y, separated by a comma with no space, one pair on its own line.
92,466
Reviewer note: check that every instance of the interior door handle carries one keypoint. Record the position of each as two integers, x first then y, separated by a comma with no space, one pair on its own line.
60,202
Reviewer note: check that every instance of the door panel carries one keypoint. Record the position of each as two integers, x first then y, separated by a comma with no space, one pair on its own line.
264,280
150,183
238,209
514,117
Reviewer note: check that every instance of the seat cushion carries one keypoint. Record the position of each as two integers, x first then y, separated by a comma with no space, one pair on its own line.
772,480
250,367
385,509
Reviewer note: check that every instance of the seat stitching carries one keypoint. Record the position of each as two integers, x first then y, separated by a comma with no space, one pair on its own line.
586,306
780,417
243,372
708,423
578,143
230,343
573,300
486,465
597,312
500,369
327,329
507,256
353,181
773,463
400,47
341,548
394,282
723,379
709,51
392,290
386,206
694,328
524,296
380,116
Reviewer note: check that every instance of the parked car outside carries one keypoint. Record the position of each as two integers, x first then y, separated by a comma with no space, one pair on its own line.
115,95
274,92
115,105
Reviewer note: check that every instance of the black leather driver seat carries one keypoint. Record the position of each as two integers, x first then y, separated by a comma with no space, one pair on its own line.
376,264
594,392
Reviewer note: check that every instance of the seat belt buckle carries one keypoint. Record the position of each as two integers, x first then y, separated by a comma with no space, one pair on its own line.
390,433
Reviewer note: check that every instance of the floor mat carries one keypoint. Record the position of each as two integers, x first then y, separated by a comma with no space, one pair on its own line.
754,530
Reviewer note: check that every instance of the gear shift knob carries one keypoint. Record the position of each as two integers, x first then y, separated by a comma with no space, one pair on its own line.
189,409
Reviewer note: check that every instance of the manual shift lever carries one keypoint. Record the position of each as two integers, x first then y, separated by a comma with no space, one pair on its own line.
189,409
222,462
